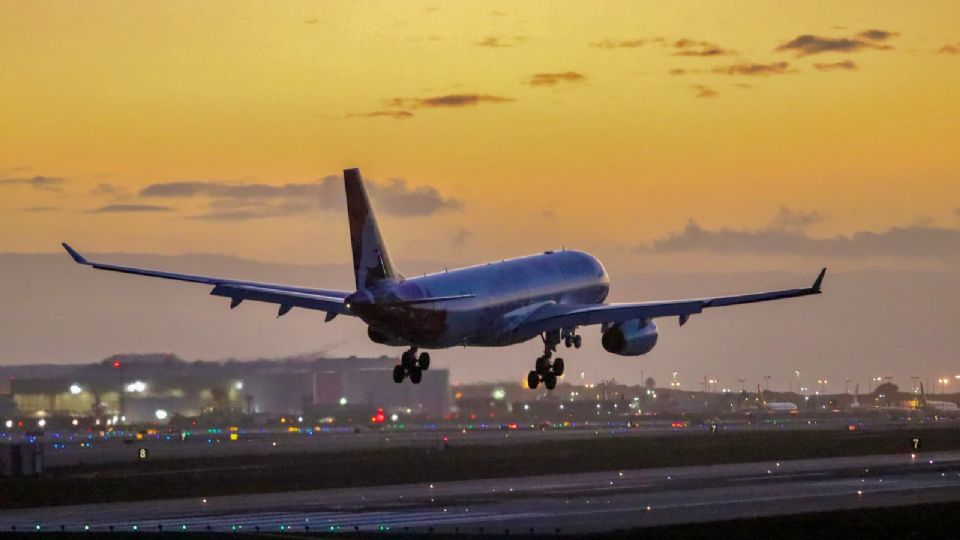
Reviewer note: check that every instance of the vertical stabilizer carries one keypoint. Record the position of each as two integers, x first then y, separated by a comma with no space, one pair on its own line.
371,262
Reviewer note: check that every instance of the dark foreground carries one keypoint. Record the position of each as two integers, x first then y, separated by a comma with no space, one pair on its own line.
234,475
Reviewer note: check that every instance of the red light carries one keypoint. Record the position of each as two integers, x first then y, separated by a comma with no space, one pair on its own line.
378,418
116,364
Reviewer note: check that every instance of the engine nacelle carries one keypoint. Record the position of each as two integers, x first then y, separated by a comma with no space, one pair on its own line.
631,338
382,338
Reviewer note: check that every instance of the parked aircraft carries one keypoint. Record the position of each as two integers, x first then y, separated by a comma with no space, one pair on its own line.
548,295
773,406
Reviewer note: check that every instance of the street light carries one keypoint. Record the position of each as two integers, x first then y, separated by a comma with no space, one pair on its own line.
75,389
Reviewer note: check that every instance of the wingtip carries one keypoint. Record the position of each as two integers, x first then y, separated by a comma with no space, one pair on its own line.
73,253
819,281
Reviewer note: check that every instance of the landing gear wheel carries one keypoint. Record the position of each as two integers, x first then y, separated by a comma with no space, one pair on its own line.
549,380
408,359
577,342
542,365
568,342
416,374
398,374
424,361
533,380
558,367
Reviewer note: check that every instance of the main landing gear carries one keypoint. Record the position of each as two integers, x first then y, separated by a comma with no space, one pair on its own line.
411,365
546,372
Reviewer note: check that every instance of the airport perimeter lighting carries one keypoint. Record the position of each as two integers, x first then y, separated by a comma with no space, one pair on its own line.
499,394
137,386
8,423
343,401
75,389
161,414
238,385
74,422
42,422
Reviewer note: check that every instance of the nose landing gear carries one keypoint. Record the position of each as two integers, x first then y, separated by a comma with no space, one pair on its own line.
411,365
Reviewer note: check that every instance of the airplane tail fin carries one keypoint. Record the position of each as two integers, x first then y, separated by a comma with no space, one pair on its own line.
763,402
371,262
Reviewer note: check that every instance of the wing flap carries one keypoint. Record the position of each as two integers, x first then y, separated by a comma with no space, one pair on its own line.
285,298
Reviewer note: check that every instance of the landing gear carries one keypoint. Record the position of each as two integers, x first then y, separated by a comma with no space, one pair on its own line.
411,365
571,340
544,371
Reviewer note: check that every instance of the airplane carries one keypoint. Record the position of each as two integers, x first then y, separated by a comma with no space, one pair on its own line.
550,295
936,406
773,406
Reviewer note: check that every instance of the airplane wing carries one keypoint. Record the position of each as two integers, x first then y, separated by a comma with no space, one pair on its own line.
288,297
559,316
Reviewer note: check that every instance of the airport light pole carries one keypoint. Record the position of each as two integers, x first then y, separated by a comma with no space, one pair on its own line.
846,385
796,372
766,382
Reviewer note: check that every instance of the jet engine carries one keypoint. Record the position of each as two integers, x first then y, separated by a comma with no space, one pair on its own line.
631,338
383,338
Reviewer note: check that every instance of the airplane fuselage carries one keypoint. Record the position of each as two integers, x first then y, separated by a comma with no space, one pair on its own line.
493,294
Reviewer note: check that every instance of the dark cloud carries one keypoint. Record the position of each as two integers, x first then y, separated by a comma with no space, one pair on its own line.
950,49
689,47
846,65
233,201
43,183
704,91
551,79
499,42
808,44
877,35
447,101
909,242
396,115
40,209
755,70
130,208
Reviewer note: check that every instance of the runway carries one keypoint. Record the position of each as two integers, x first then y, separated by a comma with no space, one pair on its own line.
560,503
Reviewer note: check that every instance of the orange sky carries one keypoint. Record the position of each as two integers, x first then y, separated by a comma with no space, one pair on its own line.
537,124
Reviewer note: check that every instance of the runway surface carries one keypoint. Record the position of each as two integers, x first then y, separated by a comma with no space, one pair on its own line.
564,503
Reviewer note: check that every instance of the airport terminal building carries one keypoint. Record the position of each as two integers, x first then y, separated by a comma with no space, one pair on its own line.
155,387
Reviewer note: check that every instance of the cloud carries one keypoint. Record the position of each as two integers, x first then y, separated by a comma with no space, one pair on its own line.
130,208
312,21
40,209
107,189
756,70
704,91
678,71
623,43
501,42
497,14
915,241
447,101
461,237
551,79
846,65
234,201
43,183
790,219
877,35
689,47
950,49
808,44
396,115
